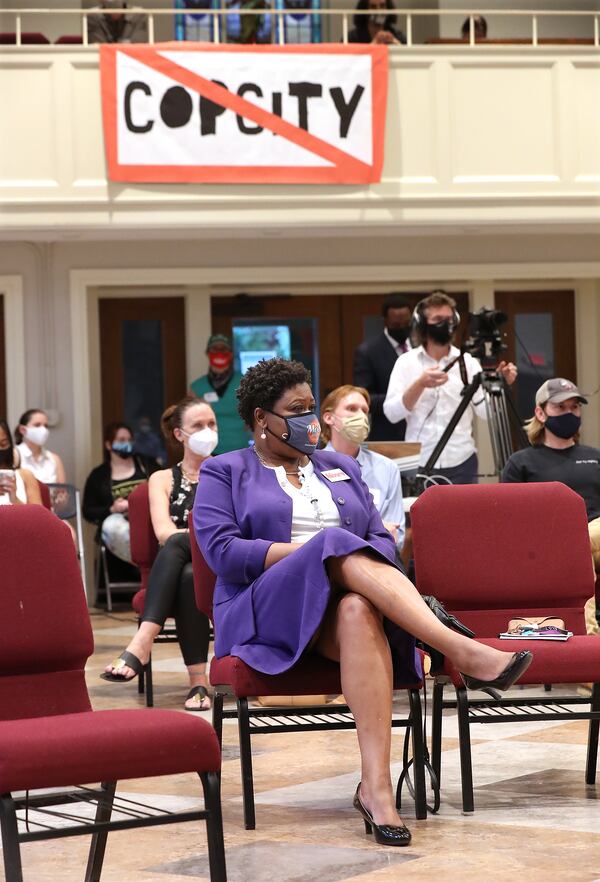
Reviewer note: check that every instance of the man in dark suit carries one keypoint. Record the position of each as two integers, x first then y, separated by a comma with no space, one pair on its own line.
374,360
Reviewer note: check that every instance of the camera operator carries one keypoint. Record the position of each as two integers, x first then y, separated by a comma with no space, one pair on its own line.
425,392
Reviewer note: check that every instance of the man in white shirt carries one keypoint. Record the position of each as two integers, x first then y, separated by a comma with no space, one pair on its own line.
421,392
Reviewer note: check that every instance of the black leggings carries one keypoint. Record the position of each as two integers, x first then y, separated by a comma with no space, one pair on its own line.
171,593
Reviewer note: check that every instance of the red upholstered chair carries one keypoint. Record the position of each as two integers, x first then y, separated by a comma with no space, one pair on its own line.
491,553
27,38
49,735
45,494
312,675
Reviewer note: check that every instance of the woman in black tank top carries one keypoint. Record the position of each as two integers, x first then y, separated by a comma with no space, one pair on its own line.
170,591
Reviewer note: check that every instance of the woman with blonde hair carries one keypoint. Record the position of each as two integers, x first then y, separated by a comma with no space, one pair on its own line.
345,427
193,425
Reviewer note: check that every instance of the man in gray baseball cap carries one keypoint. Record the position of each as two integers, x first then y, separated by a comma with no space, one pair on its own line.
556,455
557,390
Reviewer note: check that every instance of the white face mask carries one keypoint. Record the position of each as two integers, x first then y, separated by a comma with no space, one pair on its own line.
202,443
37,434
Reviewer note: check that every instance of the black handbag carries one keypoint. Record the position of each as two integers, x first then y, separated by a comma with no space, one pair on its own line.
446,618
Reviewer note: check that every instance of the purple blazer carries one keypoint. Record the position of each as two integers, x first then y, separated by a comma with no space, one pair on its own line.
240,510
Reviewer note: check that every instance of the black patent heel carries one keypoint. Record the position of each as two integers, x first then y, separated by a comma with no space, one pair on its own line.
384,834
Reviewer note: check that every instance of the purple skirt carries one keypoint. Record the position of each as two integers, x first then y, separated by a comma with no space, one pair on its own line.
270,623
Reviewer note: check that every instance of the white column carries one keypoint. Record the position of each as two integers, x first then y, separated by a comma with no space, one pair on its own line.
482,294
587,334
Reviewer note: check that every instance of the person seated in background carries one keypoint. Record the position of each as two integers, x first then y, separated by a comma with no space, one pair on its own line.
344,428
379,27
218,388
171,585
31,436
17,485
556,455
147,442
480,28
115,23
248,28
305,565
108,486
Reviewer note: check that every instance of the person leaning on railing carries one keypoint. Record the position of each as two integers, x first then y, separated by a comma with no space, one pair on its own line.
116,23
378,27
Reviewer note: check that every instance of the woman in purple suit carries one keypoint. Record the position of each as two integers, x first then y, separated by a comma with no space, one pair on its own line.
304,564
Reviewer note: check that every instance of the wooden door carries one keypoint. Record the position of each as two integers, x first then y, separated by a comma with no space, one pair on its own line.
2,362
143,360
540,339
326,310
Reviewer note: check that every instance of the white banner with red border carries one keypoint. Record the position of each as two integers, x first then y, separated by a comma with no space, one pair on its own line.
205,113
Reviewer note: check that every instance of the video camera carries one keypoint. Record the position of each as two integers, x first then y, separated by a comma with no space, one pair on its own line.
485,338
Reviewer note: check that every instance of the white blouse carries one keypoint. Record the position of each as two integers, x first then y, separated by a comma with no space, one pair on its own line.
44,467
313,507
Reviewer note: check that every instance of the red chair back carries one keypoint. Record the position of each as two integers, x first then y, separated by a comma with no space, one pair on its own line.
45,494
144,544
491,552
45,631
204,578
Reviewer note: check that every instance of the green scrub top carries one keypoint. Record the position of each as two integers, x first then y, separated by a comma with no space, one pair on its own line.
232,432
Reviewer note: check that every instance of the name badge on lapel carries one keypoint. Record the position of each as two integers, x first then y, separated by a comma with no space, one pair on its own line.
210,397
335,475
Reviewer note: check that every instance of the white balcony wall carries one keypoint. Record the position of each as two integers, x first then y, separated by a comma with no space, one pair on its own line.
480,136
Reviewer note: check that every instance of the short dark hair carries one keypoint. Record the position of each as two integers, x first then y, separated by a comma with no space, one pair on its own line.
394,301
265,383
479,27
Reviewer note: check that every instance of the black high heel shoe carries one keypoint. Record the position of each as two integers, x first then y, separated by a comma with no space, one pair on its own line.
385,834
511,673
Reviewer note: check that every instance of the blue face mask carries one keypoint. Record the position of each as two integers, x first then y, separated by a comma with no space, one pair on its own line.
302,431
564,426
124,449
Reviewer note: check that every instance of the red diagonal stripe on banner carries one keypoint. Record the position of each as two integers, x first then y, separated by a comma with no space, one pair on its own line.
244,108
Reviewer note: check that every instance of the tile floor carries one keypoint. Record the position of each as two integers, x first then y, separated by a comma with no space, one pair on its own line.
535,819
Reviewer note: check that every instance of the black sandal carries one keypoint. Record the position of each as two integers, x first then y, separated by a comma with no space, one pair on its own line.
199,692
125,660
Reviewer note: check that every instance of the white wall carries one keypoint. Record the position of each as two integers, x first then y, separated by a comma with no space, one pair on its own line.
473,136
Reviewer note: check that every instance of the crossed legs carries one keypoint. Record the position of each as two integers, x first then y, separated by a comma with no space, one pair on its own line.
352,633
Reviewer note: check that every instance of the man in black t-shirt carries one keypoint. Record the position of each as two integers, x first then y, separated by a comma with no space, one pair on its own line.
557,455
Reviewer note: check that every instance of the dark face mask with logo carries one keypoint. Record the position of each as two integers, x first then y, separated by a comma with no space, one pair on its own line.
302,431
441,332
565,426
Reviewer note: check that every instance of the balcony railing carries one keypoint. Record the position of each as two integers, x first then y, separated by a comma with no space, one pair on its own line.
21,17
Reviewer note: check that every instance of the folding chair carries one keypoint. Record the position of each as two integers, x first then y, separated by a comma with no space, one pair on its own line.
312,675
65,502
491,553
49,735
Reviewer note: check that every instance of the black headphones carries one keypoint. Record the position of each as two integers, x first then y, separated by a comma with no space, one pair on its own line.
419,319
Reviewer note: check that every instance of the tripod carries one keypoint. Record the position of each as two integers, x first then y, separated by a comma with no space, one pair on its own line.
501,416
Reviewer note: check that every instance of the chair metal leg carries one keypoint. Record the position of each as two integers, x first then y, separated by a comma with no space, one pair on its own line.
142,682
246,763
214,826
436,730
217,714
10,839
592,748
149,687
464,735
98,844
106,578
418,755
